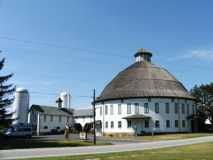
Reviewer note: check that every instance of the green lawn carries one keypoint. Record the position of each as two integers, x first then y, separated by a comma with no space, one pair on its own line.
165,136
191,152
40,143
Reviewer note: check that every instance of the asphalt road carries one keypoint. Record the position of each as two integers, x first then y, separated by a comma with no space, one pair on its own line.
68,151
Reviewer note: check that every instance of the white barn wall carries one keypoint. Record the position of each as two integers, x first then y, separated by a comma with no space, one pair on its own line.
52,124
39,125
83,120
162,116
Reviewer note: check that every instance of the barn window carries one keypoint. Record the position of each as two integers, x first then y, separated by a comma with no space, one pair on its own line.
119,124
183,108
106,124
176,108
100,110
156,107
157,124
183,123
136,108
106,110
119,108
129,108
129,124
111,110
146,108
187,108
146,123
167,107
176,123
167,123
112,124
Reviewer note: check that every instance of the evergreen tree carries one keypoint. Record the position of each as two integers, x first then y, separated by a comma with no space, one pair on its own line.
6,90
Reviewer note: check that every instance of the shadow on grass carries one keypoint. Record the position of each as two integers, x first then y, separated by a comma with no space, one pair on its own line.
37,142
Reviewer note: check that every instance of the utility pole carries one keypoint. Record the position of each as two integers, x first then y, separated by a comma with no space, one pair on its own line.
94,121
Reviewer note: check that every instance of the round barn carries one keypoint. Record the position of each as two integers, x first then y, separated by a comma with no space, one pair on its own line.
144,98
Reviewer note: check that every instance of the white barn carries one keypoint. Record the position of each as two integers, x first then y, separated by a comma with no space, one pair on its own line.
144,98
83,116
45,119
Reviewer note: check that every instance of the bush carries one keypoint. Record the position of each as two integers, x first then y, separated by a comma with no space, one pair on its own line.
77,128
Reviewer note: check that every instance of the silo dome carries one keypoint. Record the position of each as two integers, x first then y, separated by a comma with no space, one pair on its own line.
144,79
22,90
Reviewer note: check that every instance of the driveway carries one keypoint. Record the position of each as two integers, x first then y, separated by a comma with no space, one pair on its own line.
68,151
90,137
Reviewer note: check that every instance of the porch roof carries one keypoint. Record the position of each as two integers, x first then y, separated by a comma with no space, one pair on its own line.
136,116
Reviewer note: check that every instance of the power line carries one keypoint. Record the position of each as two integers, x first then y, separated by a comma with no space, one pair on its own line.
91,51
56,94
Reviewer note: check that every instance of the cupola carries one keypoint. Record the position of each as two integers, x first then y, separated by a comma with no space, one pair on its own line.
143,55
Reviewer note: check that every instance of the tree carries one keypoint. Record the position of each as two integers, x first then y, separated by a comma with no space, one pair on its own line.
204,103
87,127
6,90
77,127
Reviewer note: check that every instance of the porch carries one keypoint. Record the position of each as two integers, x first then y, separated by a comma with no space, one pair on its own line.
139,123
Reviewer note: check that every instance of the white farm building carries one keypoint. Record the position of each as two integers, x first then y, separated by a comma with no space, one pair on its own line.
45,119
144,98
83,116
48,119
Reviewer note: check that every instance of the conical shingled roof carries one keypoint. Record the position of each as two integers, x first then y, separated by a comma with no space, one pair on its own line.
144,79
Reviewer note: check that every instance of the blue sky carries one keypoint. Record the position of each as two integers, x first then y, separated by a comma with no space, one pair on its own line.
75,45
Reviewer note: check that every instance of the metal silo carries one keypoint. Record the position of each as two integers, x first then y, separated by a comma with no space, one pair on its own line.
66,99
21,106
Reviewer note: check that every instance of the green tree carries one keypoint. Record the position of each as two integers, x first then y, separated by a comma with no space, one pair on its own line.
6,91
87,127
204,103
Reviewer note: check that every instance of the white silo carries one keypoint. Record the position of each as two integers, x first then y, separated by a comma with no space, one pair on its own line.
21,106
66,99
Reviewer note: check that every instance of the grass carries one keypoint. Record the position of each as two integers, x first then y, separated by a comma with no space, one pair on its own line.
14,143
165,136
36,142
201,151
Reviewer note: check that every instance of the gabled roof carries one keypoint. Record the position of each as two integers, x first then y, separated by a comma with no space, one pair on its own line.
51,110
83,113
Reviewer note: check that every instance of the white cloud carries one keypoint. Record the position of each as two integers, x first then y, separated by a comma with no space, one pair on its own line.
195,54
202,54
